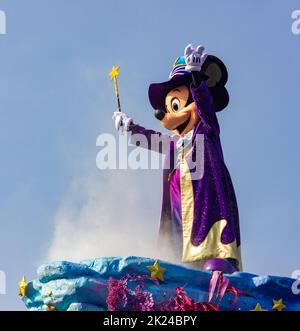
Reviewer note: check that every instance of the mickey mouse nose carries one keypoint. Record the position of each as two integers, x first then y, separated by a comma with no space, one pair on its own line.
159,114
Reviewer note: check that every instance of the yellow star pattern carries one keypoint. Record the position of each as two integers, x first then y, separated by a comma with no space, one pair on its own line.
259,308
22,287
156,271
278,305
50,308
114,72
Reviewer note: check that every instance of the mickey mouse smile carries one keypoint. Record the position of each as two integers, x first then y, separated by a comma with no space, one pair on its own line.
180,128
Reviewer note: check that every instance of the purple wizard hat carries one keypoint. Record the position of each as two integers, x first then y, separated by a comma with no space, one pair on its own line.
214,71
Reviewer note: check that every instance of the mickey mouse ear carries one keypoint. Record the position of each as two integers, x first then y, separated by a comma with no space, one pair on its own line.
217,76
215,70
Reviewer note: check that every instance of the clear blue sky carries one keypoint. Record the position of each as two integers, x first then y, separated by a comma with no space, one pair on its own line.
55,98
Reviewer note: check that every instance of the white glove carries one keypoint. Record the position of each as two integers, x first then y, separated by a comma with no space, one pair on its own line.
194,58
122,121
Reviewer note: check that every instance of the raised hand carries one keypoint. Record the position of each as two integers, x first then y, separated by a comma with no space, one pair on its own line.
194,57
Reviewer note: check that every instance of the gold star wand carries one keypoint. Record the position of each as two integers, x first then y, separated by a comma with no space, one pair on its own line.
113,76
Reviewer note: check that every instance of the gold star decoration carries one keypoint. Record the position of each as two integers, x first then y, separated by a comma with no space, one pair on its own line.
259,308
156,271
50,308
278,305
114,72
22,287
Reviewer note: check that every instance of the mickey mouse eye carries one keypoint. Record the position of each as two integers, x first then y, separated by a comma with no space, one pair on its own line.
175,104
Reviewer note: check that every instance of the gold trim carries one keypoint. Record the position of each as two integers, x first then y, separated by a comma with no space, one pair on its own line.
212,246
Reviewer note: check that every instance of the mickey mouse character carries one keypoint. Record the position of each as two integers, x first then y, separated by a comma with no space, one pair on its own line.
199,216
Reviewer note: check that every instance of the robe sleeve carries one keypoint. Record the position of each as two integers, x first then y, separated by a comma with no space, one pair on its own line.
206,108
152,140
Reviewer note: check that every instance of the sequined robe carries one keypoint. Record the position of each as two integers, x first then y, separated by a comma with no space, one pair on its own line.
199,215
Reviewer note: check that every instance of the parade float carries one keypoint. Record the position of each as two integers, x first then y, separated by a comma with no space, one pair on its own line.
199,217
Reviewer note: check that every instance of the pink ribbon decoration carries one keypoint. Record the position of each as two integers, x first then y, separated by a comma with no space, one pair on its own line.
236,292
217,279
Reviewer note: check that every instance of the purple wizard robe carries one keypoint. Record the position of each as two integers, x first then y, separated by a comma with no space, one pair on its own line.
199,214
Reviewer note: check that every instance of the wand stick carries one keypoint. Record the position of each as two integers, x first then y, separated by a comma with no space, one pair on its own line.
113,76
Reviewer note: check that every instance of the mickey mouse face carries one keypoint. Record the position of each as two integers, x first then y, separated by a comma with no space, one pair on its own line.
180,115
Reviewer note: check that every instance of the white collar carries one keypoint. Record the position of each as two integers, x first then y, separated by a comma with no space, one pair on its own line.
185,140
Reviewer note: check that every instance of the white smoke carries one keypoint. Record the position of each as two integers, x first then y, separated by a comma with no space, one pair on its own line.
98,219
